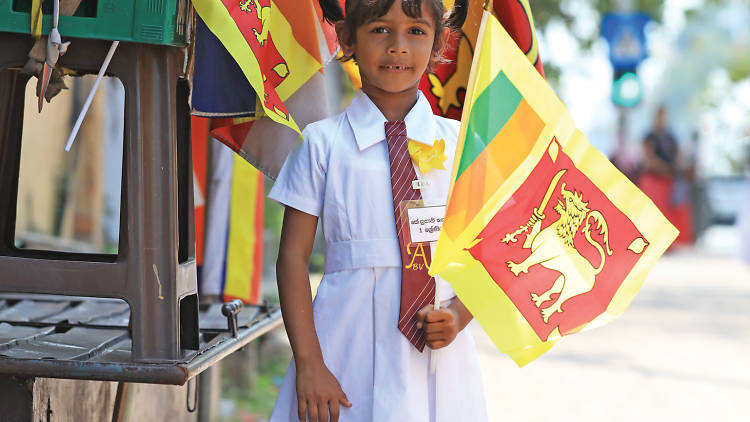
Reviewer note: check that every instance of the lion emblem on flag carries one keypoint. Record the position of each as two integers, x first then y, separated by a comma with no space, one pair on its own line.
553,247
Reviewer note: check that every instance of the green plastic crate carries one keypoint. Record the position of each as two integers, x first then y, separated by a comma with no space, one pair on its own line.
145,21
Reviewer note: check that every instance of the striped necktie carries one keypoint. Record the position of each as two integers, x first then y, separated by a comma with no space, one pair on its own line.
417,287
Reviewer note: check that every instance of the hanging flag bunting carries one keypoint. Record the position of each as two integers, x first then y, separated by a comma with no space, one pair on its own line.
445,86
257,64
229,198
199,144
542,236
36,18
244,262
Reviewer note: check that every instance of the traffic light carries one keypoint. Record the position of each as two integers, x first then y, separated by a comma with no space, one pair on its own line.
627,89
624,32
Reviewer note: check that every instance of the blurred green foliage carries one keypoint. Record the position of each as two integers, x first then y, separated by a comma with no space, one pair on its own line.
739,66
546,11
256,402
567,12
273,216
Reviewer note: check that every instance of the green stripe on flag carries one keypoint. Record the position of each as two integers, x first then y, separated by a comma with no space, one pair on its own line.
489,113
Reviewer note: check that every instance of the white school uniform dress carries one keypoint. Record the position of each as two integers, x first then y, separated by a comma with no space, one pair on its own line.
341,174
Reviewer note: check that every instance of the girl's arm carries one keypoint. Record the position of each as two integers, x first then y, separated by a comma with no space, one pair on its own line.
318,392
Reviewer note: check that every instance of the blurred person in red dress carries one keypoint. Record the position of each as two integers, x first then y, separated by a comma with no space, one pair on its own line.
663,179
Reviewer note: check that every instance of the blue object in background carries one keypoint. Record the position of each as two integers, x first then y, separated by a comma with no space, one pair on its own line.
627,39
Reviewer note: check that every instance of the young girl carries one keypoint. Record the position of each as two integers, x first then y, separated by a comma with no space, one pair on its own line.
359,354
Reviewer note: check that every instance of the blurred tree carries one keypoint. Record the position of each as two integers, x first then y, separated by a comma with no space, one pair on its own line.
566,11
570,12
739,66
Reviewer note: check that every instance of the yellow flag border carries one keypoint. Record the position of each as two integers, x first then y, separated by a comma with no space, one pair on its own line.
242,239
494,311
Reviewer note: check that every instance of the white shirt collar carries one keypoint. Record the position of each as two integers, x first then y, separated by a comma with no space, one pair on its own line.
367,121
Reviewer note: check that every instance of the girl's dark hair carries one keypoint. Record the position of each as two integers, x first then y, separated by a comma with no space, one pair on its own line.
359,12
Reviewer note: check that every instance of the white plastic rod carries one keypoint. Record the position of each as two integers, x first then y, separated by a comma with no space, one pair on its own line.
87,104
55,13
434,353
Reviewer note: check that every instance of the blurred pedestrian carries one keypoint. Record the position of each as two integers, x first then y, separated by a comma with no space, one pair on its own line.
663,179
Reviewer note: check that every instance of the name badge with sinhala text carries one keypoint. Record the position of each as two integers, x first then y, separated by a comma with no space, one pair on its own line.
425,223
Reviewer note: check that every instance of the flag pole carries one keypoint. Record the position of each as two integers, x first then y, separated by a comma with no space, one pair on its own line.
444,250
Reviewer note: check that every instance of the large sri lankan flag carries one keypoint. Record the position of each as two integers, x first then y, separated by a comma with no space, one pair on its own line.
542,236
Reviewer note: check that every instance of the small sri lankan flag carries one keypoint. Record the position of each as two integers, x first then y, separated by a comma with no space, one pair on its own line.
542,236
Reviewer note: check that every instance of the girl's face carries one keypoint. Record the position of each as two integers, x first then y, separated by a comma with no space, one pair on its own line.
393,50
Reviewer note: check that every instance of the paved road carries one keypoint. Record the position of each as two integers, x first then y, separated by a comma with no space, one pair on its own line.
681,352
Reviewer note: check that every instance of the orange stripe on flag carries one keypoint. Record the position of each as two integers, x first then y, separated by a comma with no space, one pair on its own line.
303,16
524,129
457,214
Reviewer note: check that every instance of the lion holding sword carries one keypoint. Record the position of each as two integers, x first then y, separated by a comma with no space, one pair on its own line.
553,246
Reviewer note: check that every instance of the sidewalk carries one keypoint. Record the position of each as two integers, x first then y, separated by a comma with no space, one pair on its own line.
681,352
